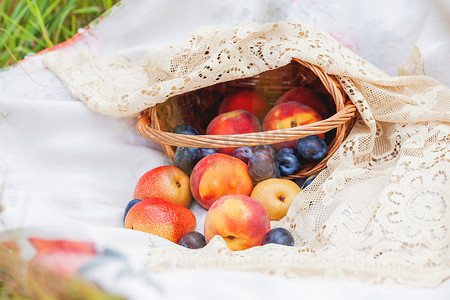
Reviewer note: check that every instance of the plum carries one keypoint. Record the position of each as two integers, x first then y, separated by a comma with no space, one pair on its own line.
288,162
311,148
308,181
208,151
279,236
193,240
262,165
299,181
243,153
186,158
267,148
129,206
185,129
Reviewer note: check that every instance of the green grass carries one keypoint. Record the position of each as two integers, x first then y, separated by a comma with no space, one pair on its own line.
28,26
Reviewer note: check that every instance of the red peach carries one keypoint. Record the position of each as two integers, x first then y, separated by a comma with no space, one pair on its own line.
240,220
248,100
233,122
306,97
218,175
162,218
167,182
288,115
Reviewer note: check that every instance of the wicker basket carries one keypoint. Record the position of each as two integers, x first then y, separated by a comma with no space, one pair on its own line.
198,108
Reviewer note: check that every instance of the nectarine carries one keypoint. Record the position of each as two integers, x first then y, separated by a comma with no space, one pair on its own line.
306,96
288,115
240,220
248,100
233,122
218,175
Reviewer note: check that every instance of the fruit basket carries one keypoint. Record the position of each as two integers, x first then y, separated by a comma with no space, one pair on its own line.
197,108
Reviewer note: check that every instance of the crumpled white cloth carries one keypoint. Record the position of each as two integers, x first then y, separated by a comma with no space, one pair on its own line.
55,175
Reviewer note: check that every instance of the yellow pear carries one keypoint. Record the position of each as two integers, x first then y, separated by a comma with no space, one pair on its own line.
276,195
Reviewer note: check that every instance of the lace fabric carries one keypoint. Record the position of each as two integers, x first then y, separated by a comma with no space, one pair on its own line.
379,212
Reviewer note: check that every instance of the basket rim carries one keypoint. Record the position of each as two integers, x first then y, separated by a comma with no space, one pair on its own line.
149,127
251,139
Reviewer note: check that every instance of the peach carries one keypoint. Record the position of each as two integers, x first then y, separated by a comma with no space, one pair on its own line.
162,218
233,122
248,100
276,195
240,220
288,115
218,175
306,97
167,182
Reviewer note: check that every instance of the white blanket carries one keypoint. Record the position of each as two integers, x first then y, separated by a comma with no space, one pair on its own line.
67,172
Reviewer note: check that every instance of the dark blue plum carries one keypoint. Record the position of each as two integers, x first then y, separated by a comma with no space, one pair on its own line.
308,181
193,240
288,162
267,148
186,158
185,129
299,182
208,151
279,236
286,151
129,206
311,148
243,153
261,166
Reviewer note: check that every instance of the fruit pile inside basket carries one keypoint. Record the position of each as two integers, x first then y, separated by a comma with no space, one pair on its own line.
242,188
